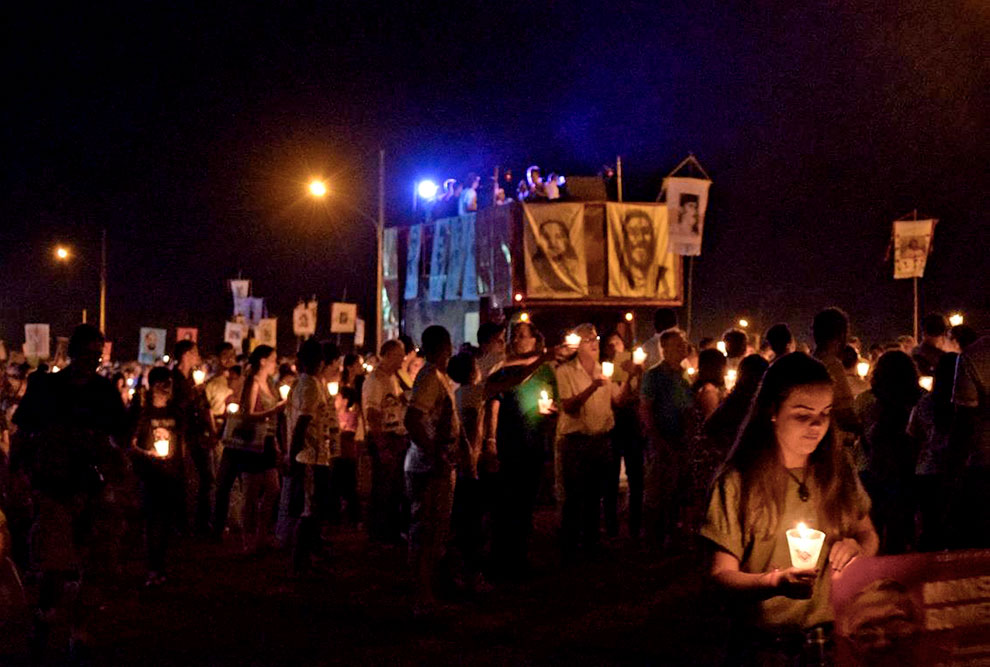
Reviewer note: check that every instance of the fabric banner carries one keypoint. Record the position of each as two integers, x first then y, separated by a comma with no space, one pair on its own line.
913,609
304,319
390,255
342,317
242,308
412,261
235,333
469,288
266,331
186,333
687,201
912,244
240,288
456,255
553,242
37,341
107,352
358,332
151,347
639,261
438,259
256,310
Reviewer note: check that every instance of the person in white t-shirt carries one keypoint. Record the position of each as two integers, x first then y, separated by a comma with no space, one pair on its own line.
468,202
384,412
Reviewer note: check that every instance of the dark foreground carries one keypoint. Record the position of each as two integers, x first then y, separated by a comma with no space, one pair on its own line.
220,608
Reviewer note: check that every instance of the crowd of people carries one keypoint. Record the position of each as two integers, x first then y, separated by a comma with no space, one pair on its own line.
460,197
719,446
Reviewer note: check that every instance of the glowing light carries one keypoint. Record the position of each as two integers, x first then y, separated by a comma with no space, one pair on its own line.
166,358
524,317
561,180
608,369
805,545
572,340
955,319
161,447
639,356
318,188
130,382
333,388
744,323
926,382
55,369
518,296
544,403
283,391
199,376
629,317
863,369
730,378
130,393
368,368
720,346
62,252
426,190
691,370
232,408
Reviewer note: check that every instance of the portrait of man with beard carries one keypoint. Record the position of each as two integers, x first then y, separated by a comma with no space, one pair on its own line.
639,251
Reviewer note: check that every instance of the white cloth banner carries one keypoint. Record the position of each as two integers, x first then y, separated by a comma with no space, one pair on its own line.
412,261
37,341
240,288
687,201
358,332
639,262
235,333
266,331
343,317
455,259
438,259
469,289
304,319
151,347
912,243
553,243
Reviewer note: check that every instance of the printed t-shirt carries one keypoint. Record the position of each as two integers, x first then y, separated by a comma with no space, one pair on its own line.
309,397
384,394
433,395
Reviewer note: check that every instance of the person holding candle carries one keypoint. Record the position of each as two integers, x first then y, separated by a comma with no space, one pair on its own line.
157,442
626,441
786,469
344,469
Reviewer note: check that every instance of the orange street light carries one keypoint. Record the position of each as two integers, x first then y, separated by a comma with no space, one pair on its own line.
318,188
61,252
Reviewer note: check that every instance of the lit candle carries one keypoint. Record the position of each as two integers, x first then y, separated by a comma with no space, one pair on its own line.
956,319
166,358
730,378
639,356
608,368
130,393
199,375
720,346
544,402
333,388
926,382
283,391
130,382
55,369
232,408
572,340
805,545
161,447
691,370
863,369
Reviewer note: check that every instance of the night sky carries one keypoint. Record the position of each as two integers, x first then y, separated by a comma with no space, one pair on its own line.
189,134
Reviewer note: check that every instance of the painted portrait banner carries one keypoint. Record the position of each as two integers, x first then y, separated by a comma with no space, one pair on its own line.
240,288
37,341
151,346
235,333
912,243
266,331
553,243
456,256
687,201
304,319
469,288
343,317
640,263
186,333
414,250
256,310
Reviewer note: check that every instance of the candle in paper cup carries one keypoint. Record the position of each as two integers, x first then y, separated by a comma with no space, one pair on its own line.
863,369
283,391
721,347
544,402
199,375
333,388
608,368
730,378
691,370
161,447
232,408
639,356
805,545
926,382
572,339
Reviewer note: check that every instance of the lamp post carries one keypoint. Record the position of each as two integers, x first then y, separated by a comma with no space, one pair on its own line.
318,188
62,254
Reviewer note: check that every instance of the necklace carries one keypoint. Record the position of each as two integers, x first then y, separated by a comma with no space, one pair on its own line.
803,492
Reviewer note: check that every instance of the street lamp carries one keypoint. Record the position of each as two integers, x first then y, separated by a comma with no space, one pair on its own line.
744,323
62,254
319,189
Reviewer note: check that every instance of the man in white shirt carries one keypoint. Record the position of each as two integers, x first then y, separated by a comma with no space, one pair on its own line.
468,202
384,413
583,448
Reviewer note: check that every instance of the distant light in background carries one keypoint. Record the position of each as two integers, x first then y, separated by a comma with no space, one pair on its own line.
744,323
629,317
427,190
518,296
318,188
62,252
561,180
721,347
955,319
524,317
166,358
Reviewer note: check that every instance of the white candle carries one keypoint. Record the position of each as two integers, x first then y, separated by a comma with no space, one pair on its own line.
283,391
608,368
805,545
926,382
691,370
639,356
199,375
572,340
720,346
161,447
544,402
333,388
232,408
730,378
863,369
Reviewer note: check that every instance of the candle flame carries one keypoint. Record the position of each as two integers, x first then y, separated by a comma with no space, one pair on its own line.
199,375
639,356
333,388
608,369
283,391
544,395
803,531
232,408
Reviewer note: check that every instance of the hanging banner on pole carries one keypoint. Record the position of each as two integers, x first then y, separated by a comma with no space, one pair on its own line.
242,308
639,262
469,290
456,255
438,259
358,332
412,261
266,331
343,317
37,341
240,288
304,319
235,333
186,333
256,310
912,244
553,242
687,202
151,347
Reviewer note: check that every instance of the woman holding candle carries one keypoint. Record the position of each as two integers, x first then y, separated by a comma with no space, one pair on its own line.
786,469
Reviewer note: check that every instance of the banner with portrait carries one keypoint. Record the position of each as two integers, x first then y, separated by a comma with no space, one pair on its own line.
266,331
912,244
151,346
304,319
343,317
469,286
640,263
186,333
37,341
235,333
456,255
553,245
414,249
240,288
687,201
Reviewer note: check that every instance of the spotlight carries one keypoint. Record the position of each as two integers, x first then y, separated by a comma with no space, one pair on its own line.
426,190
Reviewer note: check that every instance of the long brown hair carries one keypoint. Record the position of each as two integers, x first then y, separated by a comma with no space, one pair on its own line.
755,455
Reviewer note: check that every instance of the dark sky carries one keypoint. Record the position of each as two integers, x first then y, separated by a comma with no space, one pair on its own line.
188,134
